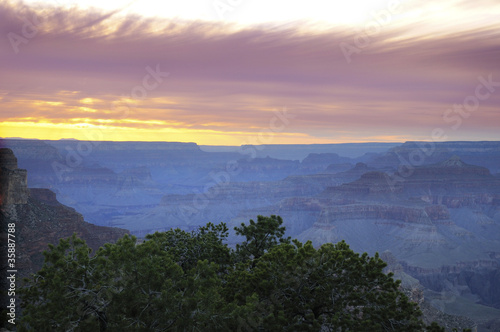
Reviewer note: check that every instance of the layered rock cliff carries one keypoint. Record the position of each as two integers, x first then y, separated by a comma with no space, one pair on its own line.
436,182
226,199
429,304
486,154
441,221
39,218
13,181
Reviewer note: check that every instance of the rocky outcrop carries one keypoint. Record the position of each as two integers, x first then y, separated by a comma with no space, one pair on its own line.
452,176
13,181
226,200
486,154
43,195
33,219
466,199
43,220
441,221
465,278
423,215
438,182
7,159
348,174
97,176
40,219
415,291
319,162
372,183
336,168
451,323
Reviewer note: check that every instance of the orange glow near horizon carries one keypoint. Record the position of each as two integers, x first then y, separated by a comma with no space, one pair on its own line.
96,74
85,132
82,131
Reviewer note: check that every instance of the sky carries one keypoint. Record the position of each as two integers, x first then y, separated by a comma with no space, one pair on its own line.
234,72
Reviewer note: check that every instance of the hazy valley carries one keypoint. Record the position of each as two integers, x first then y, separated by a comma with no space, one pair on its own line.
431,208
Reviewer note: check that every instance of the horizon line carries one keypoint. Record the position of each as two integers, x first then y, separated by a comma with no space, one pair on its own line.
217,145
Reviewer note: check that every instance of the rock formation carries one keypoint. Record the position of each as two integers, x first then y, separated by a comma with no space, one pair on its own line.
227,199
13,181
439,214
486,154
441,221
39,218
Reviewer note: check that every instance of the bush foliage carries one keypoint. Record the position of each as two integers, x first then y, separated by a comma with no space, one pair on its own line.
193,281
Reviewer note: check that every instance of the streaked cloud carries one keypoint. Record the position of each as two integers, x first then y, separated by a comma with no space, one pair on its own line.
87,69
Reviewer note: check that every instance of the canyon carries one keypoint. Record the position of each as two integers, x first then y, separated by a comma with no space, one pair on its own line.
433,207
39,219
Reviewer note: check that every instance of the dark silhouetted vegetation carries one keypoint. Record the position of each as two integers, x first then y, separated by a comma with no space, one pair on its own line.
193,281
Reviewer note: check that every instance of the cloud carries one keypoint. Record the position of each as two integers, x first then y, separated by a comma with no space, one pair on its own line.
223,77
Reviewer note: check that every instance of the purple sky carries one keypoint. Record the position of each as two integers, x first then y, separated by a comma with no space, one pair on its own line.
84,74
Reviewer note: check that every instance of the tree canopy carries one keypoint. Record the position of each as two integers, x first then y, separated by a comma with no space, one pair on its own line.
193,281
